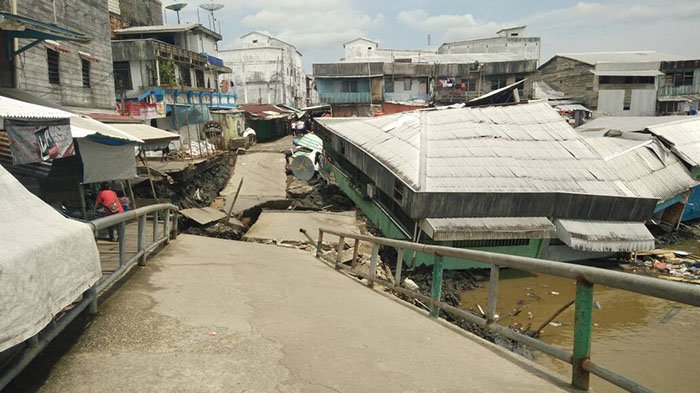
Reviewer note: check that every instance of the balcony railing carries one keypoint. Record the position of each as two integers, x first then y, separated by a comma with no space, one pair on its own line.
362,97
665,91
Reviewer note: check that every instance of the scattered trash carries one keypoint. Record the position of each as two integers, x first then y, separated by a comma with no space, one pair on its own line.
410,285
555,293
555,324
668,264
597,305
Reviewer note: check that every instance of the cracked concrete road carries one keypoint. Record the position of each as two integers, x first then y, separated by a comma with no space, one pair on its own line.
210,315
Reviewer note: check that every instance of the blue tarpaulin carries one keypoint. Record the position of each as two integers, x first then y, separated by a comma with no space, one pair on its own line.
184,115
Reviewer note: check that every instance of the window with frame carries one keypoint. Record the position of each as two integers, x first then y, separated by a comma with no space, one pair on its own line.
199,74
498,82
490,243
349,86
398,190
389,85
407,84
52,59
469,84
85,72
122,75
683,78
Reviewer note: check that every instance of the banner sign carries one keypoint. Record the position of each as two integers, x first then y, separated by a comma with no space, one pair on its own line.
32,142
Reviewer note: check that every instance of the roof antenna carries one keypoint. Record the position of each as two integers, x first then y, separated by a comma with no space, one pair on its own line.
211,7
428,40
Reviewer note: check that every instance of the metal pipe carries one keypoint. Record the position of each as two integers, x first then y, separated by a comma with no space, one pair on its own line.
615,378
669,290
114,219
141,238
583,321
493,293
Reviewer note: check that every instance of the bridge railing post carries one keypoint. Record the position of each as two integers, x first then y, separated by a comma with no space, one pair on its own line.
399,265
583,319
373,264
121,233
339,253
493,293
319,243
436,285
141,239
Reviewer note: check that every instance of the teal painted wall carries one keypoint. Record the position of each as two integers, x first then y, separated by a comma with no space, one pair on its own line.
369,208
391,230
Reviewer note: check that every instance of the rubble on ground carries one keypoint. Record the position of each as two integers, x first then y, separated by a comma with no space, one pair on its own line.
666,264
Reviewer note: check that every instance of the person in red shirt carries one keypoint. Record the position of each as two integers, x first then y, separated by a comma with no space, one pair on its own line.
109,200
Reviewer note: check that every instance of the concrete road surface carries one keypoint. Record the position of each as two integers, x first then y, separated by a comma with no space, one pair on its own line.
209,315
264,179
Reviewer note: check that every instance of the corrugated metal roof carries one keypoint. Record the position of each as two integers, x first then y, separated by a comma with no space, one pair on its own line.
593,58
683,136
82,127
15,109
266,111
627,123
488,228
167,29
441,58
518,148
572,107
146,132
644,168
599,236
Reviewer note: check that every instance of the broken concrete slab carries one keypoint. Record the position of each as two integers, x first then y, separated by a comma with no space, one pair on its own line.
264,177
283,226
203,215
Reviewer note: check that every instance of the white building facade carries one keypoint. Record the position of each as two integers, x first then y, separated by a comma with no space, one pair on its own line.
266,70
512,40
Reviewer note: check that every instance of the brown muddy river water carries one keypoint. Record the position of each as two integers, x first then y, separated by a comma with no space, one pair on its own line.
652,341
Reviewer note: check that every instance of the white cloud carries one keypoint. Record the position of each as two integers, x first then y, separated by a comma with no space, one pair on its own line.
450,26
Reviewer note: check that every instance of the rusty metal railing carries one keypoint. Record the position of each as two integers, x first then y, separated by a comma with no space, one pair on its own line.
88,302
586,277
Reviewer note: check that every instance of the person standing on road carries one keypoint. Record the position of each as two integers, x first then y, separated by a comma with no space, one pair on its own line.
110,202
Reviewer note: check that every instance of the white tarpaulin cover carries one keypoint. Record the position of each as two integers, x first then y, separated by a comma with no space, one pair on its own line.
106,162
47,261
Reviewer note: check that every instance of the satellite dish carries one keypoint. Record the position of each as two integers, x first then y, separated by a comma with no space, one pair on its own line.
303,165
176,7
211,7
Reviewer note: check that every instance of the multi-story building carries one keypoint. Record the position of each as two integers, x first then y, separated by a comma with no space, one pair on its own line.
679,87
512,40
360,88
617,83
59,51
175,59
266,70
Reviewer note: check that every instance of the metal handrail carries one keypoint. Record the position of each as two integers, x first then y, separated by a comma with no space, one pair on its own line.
584,276
88,301
140,214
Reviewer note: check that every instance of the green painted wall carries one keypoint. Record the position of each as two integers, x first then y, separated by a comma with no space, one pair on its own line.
369,208
391,230
264,130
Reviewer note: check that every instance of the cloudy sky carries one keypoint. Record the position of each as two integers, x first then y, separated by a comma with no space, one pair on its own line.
318,28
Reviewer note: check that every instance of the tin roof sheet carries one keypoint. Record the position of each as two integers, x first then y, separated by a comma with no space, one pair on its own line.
15,109
146,132
593,58
488,228
683,137
518,148
609,236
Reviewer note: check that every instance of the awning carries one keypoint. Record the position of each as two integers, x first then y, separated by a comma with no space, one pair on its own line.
82,127
22,27
604,236
151,136
15,109
487,228
628,73
55,45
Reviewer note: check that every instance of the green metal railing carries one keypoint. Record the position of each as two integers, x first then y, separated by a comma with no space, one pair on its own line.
88,301
586,277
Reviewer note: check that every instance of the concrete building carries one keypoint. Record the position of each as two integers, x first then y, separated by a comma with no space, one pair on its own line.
360,88
363,48
175,60
511,40
59,51
266,70
610,83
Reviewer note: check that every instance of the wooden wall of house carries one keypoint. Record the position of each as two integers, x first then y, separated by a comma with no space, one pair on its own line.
571,77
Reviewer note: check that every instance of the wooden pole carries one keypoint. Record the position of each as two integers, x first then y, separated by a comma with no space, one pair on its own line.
544,324
230,209
83,207
148,170
131,194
